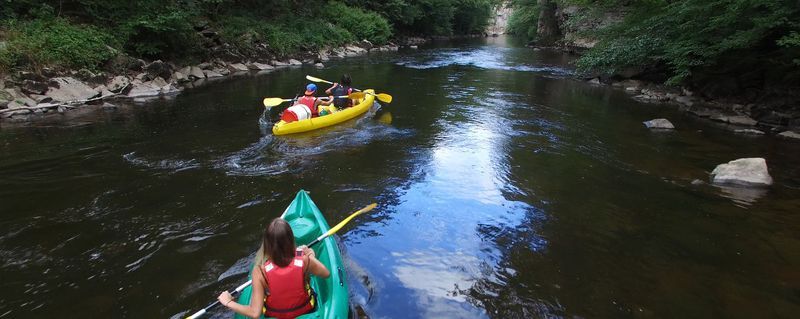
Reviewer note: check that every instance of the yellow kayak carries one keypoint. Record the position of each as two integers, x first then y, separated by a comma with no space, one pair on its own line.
283,128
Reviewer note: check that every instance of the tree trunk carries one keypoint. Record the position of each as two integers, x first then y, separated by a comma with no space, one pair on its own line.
547,30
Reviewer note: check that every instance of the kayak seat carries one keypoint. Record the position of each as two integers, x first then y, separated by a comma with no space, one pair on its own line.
305,230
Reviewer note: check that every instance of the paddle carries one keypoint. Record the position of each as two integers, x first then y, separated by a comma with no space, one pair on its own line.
320,238
275,101
383,97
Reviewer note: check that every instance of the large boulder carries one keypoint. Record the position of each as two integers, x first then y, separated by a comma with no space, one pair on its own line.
19,97
211,74
34,87
259,66
157,86
159,69
237,67
659,124
295,62
743,172
789,134
118,84
66,89
196,73
179,77
742,120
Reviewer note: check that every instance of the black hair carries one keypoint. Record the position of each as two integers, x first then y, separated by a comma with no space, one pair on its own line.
345,79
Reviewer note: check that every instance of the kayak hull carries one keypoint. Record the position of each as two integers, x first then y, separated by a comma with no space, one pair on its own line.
283,128
307,224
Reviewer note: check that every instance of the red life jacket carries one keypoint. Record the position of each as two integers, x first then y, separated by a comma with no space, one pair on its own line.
309,101
287,296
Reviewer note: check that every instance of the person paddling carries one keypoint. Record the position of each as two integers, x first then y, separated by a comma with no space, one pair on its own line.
341,89
308,99
307,106
280,284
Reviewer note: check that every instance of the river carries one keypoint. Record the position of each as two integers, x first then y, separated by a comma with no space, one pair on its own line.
507,188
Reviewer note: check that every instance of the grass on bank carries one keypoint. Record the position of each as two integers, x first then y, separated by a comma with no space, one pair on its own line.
46,40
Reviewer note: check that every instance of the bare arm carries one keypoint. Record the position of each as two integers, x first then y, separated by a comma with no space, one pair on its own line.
315,267
330,89
253,310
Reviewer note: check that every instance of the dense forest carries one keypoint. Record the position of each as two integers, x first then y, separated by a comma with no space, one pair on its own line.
88,33
727,47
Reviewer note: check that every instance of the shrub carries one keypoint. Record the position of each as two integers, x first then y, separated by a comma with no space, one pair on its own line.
167,33
524,19
55,42
283,35
361,23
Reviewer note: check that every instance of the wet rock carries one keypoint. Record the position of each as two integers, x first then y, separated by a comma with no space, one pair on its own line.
14,105
178,77
66,89
157,86
259,66
789,134
118,84
595,81
90,77
366,44
323,57
19,97
278,63
108,106
104,92
205,66
196,73
737,119
355,49
295,62
211,74
413,47
237,67
743,172
34,87
659,124
158,68
685,100
748,131
319,65
41,98
224,72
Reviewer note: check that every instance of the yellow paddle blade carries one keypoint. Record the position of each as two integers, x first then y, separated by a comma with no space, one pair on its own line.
353,215
313,79
383,97
356,95
274,101
385,118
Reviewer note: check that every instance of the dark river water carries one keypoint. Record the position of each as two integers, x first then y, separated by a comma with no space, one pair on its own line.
506,189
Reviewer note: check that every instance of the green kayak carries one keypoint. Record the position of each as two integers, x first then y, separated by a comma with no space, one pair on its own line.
307,224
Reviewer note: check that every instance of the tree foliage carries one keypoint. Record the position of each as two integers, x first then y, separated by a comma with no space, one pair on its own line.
432,17
685,35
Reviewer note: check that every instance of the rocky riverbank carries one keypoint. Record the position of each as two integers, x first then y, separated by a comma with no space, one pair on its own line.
741,118
751,102
26,95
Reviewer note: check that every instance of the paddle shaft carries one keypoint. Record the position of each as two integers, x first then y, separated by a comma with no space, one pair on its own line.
313,242
383,97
